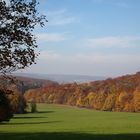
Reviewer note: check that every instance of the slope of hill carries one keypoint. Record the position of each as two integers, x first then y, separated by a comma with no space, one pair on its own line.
26,83
33,83
118,94
61,78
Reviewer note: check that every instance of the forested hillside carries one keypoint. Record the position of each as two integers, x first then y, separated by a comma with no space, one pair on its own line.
118,94
14,89
33,83
25,83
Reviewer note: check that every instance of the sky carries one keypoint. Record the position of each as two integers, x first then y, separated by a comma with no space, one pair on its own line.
88,37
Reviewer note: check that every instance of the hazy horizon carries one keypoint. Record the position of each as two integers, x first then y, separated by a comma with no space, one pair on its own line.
69,74
89,37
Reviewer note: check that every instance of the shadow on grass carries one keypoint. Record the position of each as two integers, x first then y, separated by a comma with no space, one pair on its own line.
67,136
16,123
45,111
28,117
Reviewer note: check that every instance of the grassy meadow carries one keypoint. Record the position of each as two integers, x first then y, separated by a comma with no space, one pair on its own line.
60,122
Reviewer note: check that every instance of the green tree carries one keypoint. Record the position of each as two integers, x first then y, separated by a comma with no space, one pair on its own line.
33,106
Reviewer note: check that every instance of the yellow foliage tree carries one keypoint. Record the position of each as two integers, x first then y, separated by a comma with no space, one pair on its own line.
109,102
137,101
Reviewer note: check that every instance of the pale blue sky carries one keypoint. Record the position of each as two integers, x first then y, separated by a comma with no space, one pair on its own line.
89,37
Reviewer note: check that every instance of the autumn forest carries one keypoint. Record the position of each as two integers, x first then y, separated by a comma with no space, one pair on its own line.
118,94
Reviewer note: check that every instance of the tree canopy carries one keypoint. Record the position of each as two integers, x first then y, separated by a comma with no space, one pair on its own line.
18,19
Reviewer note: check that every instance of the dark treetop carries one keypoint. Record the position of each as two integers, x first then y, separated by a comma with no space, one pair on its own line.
18,19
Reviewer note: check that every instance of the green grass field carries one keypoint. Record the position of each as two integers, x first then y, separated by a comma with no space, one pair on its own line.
59,122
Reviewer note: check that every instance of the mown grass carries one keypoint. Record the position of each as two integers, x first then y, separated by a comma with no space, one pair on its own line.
59,122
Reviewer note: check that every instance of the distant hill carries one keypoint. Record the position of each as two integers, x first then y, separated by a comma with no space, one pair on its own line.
63,78
42,82
25,83
118,94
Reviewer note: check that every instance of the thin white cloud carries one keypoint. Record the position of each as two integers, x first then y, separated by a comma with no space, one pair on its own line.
59,17
50,37
56,13
106,58
113,42
90,58
62,20
49,56
89,64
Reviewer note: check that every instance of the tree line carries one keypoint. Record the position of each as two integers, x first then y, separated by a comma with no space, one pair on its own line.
119,94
